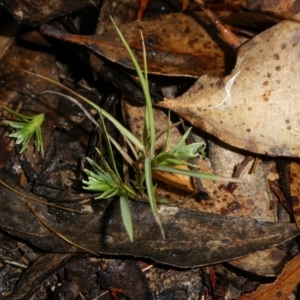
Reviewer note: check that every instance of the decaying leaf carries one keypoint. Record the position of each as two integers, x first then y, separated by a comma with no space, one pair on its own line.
36,12
42,268
284,9
262,205
254,189
115,278
269,262
192,238
256,107
284,285
177,44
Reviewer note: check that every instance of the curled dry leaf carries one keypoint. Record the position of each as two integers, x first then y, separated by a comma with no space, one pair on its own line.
285,284
256,107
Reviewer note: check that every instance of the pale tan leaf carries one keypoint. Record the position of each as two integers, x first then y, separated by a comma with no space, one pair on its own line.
256,107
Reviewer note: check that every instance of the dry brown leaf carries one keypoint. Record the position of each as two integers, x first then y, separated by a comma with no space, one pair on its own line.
256,107
268,262
254,187
180,181
283,8
177,44
255,191
284,285
36,12
192,238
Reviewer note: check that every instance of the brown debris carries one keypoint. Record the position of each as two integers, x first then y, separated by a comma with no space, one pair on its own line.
283,286
36,12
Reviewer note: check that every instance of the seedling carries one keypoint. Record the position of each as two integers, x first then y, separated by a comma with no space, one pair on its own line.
26,128
147,159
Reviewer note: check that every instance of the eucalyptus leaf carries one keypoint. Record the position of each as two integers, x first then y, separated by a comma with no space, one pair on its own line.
191,238
256,107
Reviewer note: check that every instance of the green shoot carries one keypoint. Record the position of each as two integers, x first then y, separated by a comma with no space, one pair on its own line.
109,148
149,119
106,183
195,174
149,125
109,184
126,216
26,128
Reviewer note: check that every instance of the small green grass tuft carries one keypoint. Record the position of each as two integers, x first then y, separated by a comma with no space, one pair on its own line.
26,128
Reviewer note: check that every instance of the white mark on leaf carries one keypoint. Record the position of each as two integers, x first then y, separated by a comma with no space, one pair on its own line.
226,102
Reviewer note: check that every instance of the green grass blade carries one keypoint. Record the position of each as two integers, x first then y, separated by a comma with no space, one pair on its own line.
182,140
126,216
111,157
196,174
21,117
165,147
132,57
144,59
150,122
27,126
149,185
144,82
150,193
117,124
